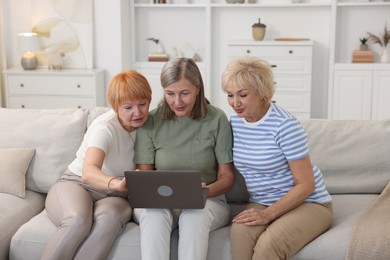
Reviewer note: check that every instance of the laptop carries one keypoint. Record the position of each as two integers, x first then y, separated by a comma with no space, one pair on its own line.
171,189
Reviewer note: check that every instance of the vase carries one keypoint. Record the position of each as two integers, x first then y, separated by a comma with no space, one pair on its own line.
258,31
385,55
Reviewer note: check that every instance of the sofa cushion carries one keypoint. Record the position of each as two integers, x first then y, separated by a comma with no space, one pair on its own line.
239,191
56,134
333,244
14,163
352,155
14,212
33,236
95,112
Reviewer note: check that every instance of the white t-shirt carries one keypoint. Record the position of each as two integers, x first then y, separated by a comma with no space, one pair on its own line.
107,134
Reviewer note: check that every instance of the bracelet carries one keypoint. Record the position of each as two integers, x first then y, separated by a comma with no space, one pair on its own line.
108,183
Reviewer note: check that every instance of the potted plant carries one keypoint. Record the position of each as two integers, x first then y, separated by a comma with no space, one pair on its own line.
382,39
159,48
363,44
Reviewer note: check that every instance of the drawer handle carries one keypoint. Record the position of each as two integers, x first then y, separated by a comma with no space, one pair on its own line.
273,66
22,106
78,106
78,85
273,101
248,51
290,51
21,85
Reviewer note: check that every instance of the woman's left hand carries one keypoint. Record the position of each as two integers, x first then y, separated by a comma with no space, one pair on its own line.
253,217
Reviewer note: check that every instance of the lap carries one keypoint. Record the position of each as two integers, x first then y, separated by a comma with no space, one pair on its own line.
66,199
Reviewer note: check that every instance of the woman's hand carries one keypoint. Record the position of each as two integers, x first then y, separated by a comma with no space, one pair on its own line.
253,217
118,184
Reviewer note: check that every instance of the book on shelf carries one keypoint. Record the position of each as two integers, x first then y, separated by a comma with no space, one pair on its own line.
158,57
360,56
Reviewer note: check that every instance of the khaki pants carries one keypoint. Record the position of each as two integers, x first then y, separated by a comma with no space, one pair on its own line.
282,238
88,220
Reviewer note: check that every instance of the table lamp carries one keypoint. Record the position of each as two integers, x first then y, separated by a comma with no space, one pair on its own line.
28,43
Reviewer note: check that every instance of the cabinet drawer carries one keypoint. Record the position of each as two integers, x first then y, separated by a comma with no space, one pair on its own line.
293,102
292,83
50,102
270,51
302,66
50,85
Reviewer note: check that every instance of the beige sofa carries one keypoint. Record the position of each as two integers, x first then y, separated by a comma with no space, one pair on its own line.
353,155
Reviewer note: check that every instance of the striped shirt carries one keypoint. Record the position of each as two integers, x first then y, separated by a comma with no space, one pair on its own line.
262,150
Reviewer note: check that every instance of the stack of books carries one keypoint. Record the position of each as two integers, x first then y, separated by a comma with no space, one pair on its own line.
359,56
158,57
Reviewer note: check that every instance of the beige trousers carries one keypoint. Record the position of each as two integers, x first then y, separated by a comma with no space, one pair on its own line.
282,238
88,220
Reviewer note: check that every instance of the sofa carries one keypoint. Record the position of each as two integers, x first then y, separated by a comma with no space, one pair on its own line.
36,146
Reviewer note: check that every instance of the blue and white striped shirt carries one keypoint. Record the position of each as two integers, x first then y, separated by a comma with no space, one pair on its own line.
261,152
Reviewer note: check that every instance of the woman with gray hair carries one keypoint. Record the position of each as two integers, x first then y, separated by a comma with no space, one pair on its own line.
185,133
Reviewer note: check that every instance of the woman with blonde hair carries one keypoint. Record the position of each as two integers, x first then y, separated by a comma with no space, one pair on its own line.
289,204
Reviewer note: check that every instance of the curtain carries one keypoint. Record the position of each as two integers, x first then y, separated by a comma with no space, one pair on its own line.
3,59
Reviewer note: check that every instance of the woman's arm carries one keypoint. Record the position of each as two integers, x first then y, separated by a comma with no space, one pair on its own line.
224,181
94,176
303,174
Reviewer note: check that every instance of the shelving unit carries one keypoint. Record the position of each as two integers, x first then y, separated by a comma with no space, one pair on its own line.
209,25
353,88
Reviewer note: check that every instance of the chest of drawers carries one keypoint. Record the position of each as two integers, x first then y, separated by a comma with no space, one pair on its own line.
54,89
291,63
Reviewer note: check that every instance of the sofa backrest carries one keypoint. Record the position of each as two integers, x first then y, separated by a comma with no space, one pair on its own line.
56,134
353,155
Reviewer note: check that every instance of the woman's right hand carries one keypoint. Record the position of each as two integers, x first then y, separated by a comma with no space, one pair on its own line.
118,184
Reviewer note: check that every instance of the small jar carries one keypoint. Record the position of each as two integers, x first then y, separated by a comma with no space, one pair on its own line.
258,31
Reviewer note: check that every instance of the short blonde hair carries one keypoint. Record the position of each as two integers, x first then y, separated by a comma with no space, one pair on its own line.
250,72
127,85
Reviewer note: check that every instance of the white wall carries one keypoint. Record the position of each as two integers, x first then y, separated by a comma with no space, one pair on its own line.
112,37
17,18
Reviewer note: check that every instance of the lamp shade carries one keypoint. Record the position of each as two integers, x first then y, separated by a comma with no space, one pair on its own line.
29,42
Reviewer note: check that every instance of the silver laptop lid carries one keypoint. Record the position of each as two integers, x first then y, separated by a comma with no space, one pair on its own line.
174,189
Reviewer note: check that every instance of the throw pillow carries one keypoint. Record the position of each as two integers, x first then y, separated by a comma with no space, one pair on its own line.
14,163
56,134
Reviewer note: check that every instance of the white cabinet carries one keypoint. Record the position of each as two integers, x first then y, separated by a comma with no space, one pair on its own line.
381,94
54,89
357,91
291,63
361,91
